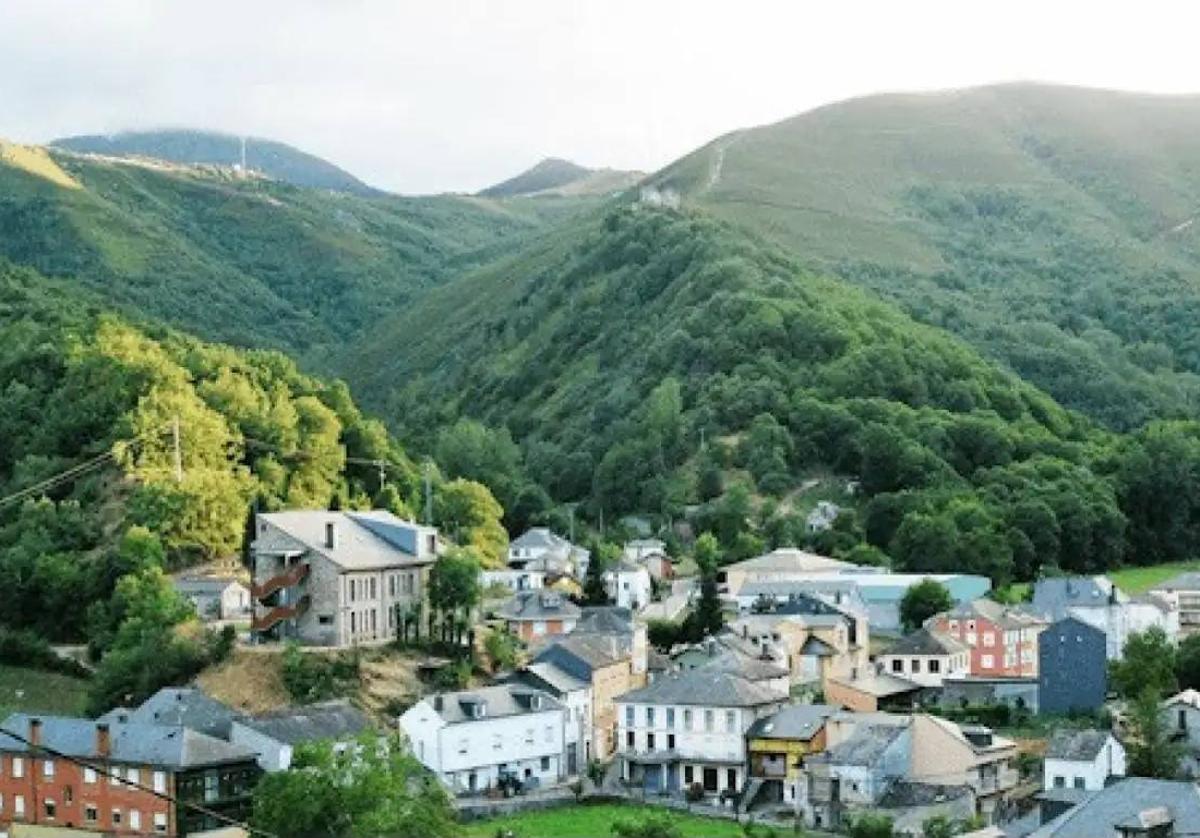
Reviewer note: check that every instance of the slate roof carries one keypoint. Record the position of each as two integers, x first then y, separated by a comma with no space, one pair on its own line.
752,669
540,537
335,720
604,619
553,676
925,642
581,654
538,605
210,585
1054,596
795,721
160,746
1189,581
1189,697
183,707
879,684
501,700
1132,800
702,686
904,793
865,746
1076,745
365,540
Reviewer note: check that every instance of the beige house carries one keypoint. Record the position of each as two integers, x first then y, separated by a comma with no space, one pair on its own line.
787,564
951,754
926,658
333,578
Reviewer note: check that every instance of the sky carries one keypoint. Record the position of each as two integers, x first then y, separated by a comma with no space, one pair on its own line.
422,96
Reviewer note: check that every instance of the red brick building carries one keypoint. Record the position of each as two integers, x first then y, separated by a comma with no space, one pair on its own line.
1003,640
119,778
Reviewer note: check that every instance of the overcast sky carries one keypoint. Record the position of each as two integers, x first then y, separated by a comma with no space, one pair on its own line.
427,96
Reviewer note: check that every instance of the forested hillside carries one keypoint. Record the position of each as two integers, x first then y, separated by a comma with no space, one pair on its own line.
611,351
1051,227
276,160
248,262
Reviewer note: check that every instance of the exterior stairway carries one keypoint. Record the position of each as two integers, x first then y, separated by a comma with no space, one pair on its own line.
294,575
278,614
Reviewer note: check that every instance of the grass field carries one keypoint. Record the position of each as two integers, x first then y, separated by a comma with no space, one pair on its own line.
34,691
595,821
1136,580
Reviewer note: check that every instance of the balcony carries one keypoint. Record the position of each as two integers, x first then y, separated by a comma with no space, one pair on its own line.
291,577
278,614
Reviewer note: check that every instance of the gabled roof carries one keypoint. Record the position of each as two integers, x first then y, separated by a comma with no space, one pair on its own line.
1129,802
540,537
334,720
364,540
865,746
160,746
1077,745
1189,581
550,676
180,707
750,668
702,686
903,794
538,605
604,619
879,684
1189,697
582,654
1054,596
211,585
815,646
500,700
790,560
925,642
795,721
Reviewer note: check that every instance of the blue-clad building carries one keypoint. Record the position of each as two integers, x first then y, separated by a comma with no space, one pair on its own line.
1072,667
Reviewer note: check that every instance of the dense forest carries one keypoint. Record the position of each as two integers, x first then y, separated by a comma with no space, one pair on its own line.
605,355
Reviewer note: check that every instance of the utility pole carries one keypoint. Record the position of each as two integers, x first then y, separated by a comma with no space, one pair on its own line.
428,497
382,474
178,454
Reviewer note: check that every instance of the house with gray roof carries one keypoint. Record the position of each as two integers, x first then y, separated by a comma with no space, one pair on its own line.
575,694
1096,600
215,597
120,777
1182,592
275,735
334,578
533,615
853,774
1082,759
778,745
180,707
1136,807
926,658
688,729
541,549
475,740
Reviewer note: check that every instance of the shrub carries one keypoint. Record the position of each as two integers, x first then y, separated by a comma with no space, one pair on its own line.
315,677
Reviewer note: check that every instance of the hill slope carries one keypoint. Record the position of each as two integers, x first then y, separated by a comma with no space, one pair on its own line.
1051,227
554,176
255,263
274,159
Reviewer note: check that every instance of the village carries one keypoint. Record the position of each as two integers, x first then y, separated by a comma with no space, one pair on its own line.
789,690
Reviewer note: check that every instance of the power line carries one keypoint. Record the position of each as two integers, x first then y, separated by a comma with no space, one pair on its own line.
35,748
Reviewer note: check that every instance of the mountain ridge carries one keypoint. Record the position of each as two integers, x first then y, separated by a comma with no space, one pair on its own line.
557,176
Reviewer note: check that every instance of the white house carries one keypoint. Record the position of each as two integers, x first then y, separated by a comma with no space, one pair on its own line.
575,694
547,551
689,728
1097,601
472,739
274,736
1082,759
926,658
628,585
641,549
1181,716
513,579
215,598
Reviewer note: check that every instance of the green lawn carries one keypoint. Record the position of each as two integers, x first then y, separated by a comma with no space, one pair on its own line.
1136,580
584,821
34,691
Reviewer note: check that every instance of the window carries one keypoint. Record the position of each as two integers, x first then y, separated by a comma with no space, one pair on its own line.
987,661
545,763
897,665
373,590
116,817
160,821
135,819
212,788
47,768
689,775
629,715
649,741
18,767
539,627
1078,782
731,779
160,782
408,583
730,721
670,741
989,638
19,805
916,665
935,666
708,721
325,619
350,584
51,808
353,621
133,776
629,740
670,717
89,776
687,719
90,813
1182,720
1060,782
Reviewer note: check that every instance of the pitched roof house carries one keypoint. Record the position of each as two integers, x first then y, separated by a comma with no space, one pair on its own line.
534,614
274,736
1096,600
925,658
1082,759
1133,808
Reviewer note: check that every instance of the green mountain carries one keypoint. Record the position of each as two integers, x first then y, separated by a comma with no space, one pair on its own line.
274,159
554,176
1051,227
249,262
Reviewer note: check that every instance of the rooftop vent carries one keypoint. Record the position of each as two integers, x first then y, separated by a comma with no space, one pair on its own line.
331,535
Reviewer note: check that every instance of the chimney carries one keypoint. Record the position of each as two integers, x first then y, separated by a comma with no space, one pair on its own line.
103,741
331,535
438,703
35,732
